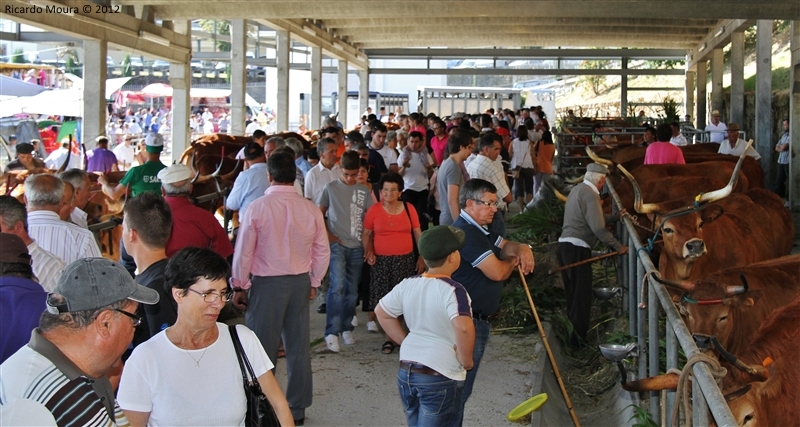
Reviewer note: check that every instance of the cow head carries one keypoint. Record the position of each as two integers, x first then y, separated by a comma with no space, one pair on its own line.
749,405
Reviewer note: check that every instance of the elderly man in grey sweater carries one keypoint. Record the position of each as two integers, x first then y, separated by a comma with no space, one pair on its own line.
584,223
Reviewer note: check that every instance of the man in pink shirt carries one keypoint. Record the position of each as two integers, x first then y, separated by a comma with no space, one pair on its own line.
283,243
662,151
439,141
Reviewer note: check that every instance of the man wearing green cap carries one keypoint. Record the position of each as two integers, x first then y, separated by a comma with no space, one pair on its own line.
437,351
88,323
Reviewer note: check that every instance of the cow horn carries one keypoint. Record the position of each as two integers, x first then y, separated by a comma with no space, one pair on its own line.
638,204
576,180
559,195
656,383
737,393
737,290
755,372
196,175
219,167
597,159
684,285
66,161
715,195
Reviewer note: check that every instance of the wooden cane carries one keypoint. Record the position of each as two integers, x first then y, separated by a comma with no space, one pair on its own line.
549,351
586,261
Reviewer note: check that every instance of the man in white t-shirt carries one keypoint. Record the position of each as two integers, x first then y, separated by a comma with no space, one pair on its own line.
416,168
378,144
677,138
124,153
717,130
437,351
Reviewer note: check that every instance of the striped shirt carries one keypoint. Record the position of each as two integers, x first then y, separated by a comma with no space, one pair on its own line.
64,240
46,266
40,372
487,169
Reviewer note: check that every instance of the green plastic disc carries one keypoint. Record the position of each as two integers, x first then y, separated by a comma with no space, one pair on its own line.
527,407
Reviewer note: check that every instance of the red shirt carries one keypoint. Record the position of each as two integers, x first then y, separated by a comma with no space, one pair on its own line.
439,147
192,226
391,233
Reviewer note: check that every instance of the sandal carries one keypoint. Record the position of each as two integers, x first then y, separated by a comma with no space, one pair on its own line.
388,347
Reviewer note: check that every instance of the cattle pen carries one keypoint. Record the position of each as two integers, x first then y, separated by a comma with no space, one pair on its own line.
643,316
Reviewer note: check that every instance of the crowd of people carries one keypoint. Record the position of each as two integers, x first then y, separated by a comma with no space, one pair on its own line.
410,222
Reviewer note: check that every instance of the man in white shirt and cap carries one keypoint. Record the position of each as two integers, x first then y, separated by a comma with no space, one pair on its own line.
735,146
716,129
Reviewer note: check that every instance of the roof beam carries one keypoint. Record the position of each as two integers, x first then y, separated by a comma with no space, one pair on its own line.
390,23
672,54
312,35
456,41
719,36
529,72
413,30
118,29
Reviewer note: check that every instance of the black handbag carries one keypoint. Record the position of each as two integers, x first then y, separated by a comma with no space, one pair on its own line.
259,410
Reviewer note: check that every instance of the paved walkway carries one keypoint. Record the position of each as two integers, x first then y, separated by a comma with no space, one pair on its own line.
358,386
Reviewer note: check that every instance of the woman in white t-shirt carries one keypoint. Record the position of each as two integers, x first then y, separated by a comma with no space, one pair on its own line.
188,374
524,158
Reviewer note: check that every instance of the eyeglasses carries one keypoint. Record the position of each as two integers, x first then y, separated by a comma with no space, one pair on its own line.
136,319
489,204
213,296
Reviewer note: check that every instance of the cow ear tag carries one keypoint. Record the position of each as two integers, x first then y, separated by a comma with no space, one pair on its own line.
768,361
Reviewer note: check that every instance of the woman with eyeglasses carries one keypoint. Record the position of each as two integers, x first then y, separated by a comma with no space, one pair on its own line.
390,230
168,379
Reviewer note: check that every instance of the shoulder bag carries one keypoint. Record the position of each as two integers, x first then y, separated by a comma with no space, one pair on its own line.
259,410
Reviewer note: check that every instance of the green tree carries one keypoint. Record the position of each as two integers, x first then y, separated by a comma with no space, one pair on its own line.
72,67
595,83
19,57
221,27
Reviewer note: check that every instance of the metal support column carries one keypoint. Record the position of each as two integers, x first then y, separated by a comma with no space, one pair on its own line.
315,120
282,43
672,362
717,68
641,322
94,91
653,348
238,76
623,86
342,95
702,94
363,91
763,131
180,78
737,78
688,94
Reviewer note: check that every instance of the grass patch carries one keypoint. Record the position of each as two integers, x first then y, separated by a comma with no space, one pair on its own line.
781,80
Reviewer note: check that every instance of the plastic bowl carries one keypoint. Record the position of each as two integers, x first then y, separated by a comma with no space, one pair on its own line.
527,407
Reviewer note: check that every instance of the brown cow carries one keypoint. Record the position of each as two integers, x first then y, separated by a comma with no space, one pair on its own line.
716,305
774,401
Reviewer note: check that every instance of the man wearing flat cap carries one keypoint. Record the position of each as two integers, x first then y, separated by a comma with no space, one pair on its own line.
716,129
191,226
25,159
88,323
438,348
584,224
735,146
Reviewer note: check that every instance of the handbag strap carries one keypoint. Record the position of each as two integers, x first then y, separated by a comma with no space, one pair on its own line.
243,361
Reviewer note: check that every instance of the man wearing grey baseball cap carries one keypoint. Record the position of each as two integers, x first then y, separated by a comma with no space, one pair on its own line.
88,324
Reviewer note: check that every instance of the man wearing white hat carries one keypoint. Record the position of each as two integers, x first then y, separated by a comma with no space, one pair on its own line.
717,130
191,226
584,223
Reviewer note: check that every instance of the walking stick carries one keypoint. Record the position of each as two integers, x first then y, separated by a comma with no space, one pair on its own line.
586,261
549,351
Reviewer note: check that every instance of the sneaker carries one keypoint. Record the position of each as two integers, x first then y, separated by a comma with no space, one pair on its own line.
355,321
372,326
332,342
348,338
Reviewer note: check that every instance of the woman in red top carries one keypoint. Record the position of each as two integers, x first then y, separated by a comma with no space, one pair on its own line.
544,153
390,230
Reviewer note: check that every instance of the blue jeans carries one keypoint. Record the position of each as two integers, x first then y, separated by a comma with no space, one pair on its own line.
482,330
430,400
345,273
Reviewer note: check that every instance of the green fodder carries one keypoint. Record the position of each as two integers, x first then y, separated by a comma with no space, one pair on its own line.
535,225
515,310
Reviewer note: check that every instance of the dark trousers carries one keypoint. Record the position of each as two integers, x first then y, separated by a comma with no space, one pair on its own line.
419,199
577,286
780,179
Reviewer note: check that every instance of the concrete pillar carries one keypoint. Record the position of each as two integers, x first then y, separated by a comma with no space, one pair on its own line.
341,108
94,91
717,67
282,58
180,78
762,134
623,86
688,93
315,121
363,91
702,95
737,78
238,76
794,117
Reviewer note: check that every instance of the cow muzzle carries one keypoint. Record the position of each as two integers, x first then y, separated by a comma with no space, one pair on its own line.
694,248
702,341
